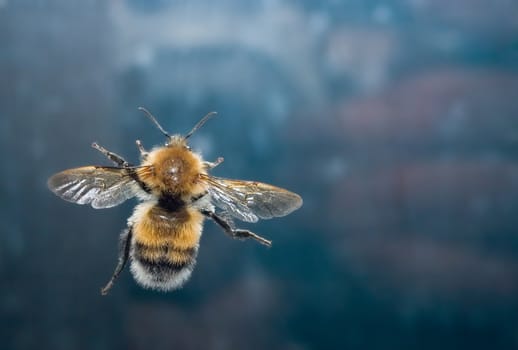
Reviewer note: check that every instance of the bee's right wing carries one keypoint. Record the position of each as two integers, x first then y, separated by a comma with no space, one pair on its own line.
251,200
101,187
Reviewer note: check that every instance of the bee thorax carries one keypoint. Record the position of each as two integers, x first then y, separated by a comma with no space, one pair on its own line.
176,169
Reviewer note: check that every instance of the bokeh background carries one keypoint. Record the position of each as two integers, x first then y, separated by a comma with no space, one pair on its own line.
396,120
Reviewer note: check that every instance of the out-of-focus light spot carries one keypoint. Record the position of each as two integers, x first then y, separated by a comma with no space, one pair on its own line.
193,95
270,3
447,41
278,107
260,139
480,205
417,3
382,14
455,119
318,23
364,56
336,168
144,56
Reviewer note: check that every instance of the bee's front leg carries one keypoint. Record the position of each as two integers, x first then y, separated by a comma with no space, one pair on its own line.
211,165
142,150
112,156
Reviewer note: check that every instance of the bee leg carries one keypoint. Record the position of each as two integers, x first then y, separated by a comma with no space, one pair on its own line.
111,156
124,250
143,152
211,165
235,232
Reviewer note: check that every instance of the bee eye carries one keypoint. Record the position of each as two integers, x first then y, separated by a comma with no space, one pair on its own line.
188,148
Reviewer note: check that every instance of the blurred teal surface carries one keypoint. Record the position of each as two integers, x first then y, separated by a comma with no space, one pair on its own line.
397,121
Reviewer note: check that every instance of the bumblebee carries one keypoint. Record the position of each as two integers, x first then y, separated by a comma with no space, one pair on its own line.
176,194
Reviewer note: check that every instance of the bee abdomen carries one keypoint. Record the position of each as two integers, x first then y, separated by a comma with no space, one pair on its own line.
164,267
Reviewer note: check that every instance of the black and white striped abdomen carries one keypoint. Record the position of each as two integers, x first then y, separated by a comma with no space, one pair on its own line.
164,267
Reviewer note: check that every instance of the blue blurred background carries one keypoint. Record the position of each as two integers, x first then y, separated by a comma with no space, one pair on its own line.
397,121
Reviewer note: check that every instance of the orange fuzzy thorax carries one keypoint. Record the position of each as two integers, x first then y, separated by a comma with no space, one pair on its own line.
173,169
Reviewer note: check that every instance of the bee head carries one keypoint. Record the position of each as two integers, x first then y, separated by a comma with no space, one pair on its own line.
177,141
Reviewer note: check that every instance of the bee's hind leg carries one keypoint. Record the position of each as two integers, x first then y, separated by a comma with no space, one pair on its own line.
124,251
112,156
235,232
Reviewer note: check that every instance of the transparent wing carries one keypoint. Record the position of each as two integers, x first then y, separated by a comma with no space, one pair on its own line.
102,187
251,200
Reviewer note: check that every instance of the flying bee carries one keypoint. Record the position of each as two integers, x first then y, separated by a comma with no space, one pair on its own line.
176,194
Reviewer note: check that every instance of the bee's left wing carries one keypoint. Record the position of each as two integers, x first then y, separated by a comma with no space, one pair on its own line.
99,186
251,200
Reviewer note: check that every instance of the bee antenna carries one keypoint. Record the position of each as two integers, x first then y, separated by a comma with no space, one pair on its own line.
200,124
153,119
